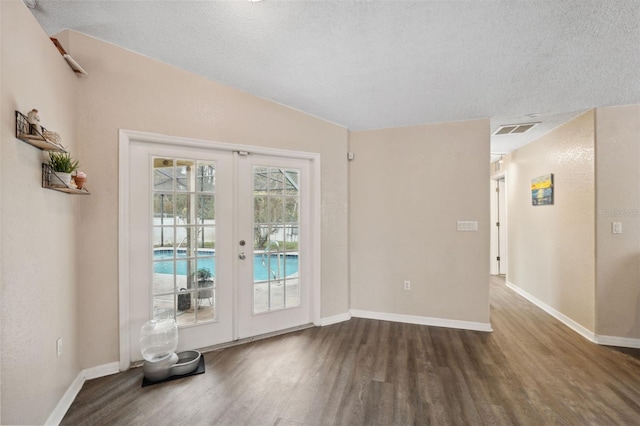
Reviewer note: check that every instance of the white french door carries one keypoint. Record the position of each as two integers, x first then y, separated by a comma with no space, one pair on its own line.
217,240
273,215
180,223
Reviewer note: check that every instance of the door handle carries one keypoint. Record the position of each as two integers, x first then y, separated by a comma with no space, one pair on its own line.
242,256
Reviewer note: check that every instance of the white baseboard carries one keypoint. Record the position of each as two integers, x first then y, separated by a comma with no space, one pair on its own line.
101,370
70,395
335,319
412,319
65,402
624,342
580,329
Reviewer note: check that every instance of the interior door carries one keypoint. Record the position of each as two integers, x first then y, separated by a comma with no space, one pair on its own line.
273,244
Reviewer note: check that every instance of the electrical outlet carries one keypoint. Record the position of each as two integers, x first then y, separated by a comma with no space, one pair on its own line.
616,227
59,346
407,285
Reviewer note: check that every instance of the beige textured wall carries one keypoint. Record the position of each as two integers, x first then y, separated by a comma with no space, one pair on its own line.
1,248
618,200
409,186
2,114
551,249
37,228
129,91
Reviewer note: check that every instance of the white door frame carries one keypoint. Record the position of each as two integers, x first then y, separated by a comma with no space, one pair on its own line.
126,137
503,225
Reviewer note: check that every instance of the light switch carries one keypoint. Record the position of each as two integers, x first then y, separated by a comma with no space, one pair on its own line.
467,225
616,227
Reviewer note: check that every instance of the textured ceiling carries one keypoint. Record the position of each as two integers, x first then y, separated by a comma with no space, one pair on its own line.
380,64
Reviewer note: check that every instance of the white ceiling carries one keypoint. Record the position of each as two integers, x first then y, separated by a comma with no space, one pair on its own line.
380,64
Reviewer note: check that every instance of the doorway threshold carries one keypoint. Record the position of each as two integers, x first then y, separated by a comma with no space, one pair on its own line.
255,338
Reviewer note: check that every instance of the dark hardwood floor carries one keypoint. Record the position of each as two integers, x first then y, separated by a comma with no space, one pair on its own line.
531,370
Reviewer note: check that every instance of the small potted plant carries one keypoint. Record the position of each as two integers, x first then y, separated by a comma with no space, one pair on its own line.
62,165
205,280
204,275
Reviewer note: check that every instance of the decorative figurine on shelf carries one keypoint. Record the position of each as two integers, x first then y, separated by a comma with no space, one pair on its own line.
34,120
52,137
80,179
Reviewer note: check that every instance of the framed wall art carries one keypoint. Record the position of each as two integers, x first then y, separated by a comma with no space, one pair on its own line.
542,190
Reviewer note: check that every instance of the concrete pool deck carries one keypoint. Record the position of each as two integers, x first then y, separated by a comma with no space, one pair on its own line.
164,304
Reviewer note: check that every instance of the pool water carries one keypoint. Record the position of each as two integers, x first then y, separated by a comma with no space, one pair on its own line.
281,265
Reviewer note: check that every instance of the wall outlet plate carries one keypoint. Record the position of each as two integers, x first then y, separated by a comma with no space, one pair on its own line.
467,226
616,227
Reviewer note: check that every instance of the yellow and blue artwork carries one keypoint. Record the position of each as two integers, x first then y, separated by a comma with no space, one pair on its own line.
542,190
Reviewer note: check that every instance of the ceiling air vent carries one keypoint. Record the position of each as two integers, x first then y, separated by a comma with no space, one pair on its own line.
512,129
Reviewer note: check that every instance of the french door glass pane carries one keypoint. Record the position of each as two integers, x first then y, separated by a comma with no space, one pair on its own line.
164,275
163,205
185,175
184,240
163,174
206,208
206,177
291,209
163,306
292,186
276,209
276,218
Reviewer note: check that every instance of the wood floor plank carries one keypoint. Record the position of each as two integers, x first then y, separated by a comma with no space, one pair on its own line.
531,370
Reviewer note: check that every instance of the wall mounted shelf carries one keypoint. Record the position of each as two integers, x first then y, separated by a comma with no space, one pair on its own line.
50,180
26,133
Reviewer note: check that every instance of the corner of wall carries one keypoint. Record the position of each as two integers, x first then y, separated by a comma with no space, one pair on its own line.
551,248
33,75
617,132
405,201
3,113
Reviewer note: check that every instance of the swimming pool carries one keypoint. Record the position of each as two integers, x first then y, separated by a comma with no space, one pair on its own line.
280,264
